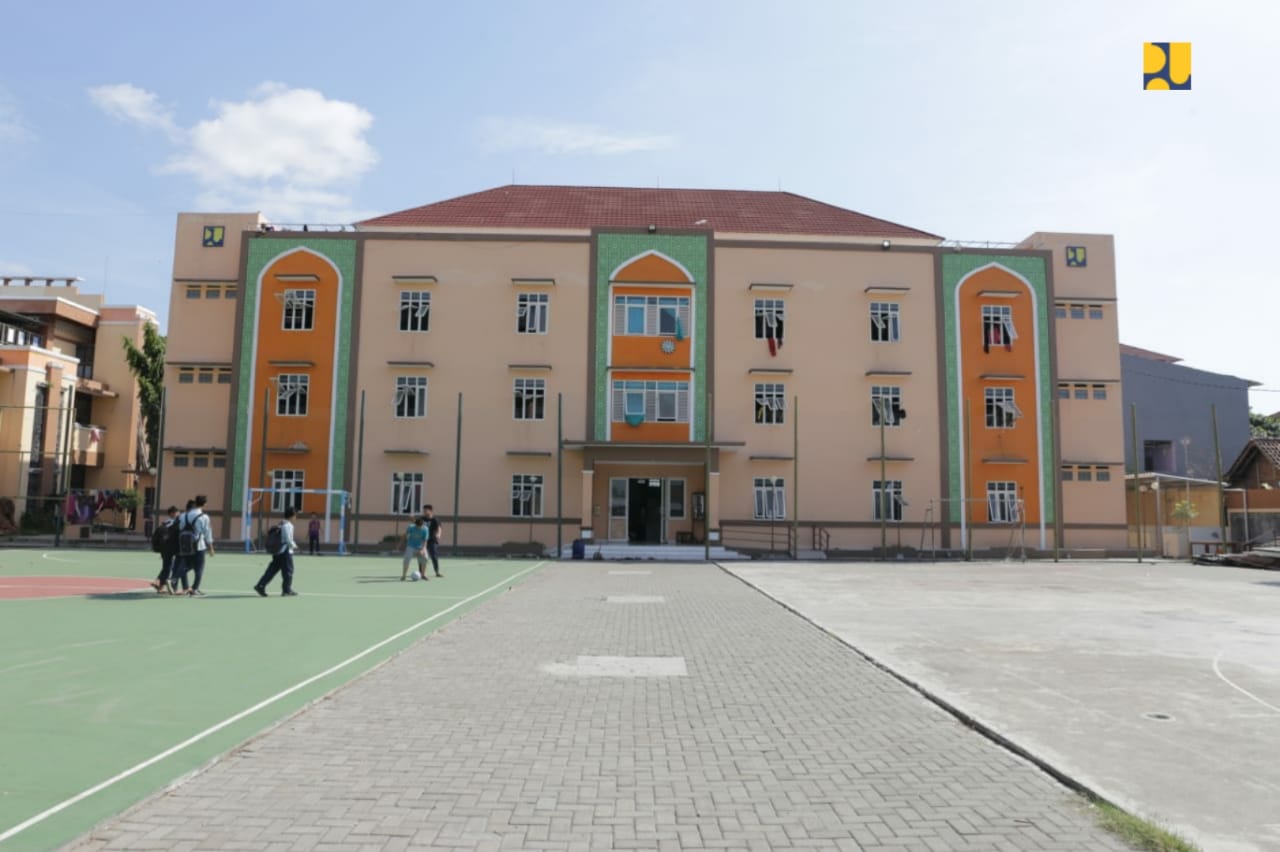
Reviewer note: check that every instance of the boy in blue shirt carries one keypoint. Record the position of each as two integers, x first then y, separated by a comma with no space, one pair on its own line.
415,547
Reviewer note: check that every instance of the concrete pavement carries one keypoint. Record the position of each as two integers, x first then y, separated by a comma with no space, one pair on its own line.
664,707
1156,685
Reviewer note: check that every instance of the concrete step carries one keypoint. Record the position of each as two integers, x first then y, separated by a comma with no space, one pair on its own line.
619,552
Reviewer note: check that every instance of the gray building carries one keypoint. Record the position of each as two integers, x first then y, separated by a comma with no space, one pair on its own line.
1175,424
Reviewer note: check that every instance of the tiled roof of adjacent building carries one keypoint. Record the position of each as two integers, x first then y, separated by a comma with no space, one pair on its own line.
1268,448
584,207
1126,349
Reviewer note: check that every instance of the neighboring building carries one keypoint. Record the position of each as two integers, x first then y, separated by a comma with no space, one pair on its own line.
644,307
1253,493
1175,405
69,414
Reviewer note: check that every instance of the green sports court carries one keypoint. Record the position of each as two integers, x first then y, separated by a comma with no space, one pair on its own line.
111,692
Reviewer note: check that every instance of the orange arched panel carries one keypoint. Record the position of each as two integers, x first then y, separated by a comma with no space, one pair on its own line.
651,267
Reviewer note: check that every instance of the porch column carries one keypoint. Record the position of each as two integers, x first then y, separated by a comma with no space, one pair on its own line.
713,506
588,515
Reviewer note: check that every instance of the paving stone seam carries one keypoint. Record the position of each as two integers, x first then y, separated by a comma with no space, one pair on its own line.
937,700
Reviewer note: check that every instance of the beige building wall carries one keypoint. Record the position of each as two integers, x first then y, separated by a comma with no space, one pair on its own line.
833,365
1091,431
472,348
201,333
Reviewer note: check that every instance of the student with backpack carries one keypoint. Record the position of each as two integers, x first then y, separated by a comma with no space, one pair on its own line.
165,543
195,539
178,567
281,546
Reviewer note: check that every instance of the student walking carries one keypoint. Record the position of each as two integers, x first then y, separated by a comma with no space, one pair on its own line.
433,540
313,536
195,539
281,546
415,545
178,567
165,543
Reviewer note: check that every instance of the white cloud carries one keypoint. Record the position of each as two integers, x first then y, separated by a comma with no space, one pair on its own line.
12,126
126,102
290,153
554,137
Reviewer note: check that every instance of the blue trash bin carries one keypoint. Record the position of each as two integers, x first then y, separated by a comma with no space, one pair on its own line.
579,549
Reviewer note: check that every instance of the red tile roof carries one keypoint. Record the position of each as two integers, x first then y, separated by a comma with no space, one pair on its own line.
584,207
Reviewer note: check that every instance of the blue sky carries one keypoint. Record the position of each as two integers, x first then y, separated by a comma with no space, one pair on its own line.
978,121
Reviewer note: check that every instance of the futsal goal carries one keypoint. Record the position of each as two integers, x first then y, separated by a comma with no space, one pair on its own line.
263,505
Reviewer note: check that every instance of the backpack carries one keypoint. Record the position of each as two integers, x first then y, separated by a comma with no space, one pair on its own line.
275,539
159,538
187,537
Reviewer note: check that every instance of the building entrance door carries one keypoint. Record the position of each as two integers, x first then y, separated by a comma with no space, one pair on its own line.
644,511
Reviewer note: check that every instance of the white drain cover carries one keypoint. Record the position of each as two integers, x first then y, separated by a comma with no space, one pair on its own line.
619,667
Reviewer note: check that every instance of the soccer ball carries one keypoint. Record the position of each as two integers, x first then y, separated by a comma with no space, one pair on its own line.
415,576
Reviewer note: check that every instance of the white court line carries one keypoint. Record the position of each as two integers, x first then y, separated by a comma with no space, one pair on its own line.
231,720
1239,689
56,559
32,663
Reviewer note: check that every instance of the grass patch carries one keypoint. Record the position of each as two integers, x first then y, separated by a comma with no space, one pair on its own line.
1139,833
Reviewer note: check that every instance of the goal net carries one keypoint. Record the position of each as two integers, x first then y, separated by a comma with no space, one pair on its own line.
263,505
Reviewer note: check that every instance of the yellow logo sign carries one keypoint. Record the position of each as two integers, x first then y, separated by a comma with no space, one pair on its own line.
213,236
1077,256
1166,65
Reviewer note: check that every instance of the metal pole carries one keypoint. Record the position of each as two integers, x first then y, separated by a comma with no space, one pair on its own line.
1244,492
262,461
355,546
884,487
160,453
1137,492
559,475
706,507
66,418
964,498
1217,459
457,476
795,476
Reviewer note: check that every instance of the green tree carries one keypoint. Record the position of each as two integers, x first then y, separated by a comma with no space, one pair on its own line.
1263,426
1184,512
147,366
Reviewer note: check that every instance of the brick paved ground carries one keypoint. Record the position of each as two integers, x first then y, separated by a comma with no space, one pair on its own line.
779,737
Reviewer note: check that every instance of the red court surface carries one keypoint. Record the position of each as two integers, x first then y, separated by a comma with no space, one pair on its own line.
18,588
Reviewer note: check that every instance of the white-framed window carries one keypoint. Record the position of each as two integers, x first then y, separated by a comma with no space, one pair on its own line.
1084,473
1095,312
997,326
530,399
1002,502
299,310
1102,473
1099,391
406,493
770,498
415,310
675,498
885,324
1060,311
770,319
182,460
526,495
1001,411
771,403
286,489
1067,473
649,401
410,399
887,498
1064,391
618,488
886,400
1077,311
1080,391
531,313
651,316
292,390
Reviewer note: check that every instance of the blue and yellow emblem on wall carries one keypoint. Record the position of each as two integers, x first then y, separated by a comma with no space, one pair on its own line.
213,236
1077,256
1166,65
